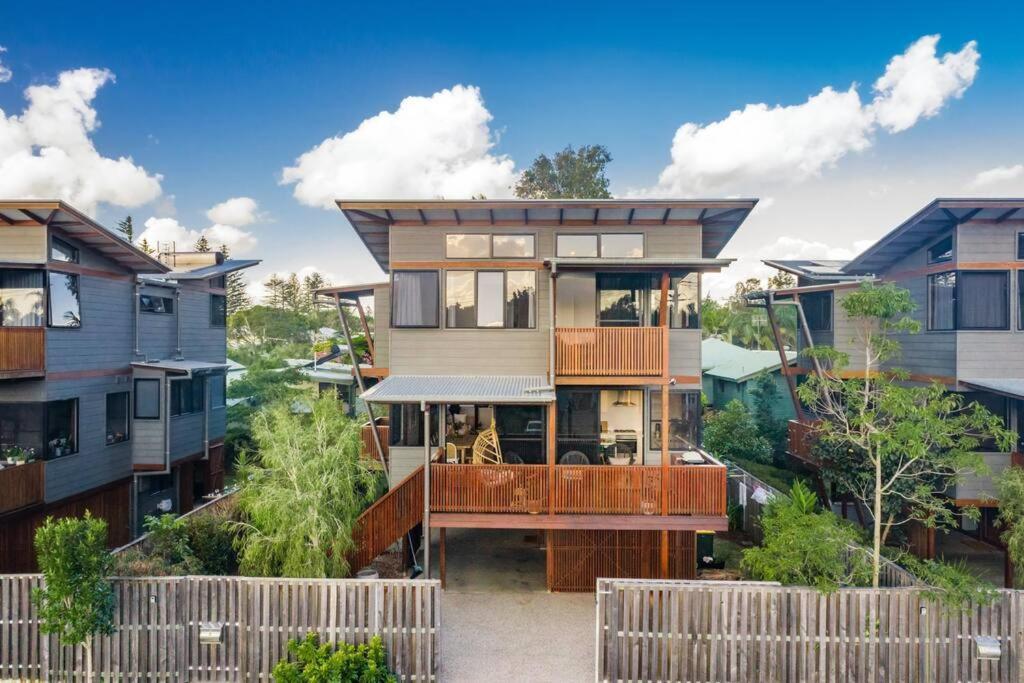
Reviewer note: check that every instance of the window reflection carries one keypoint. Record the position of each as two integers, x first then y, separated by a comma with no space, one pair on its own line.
490,299
467,246
620,299
21,298
64,300
460,299
520,299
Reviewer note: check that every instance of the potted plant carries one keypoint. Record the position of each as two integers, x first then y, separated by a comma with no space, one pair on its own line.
17,455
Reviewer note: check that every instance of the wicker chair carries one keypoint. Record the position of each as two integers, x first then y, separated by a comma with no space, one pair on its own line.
486,448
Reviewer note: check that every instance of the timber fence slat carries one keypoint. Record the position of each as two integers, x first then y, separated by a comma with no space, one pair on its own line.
157,623
650,630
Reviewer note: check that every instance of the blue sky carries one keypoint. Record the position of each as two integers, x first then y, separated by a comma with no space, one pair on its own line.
219,99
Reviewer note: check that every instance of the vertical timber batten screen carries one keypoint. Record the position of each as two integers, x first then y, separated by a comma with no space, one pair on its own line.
705,632
157,623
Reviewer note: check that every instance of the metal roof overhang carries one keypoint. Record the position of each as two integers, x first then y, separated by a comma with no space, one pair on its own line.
633,264
189,368
1014,388
73,223
928,223
718,218
205,273
492,389
830,271
352,291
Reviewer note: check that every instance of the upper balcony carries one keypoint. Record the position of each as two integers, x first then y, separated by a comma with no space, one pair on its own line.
611,351
22,352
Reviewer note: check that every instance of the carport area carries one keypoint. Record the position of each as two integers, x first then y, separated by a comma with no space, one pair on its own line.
500,623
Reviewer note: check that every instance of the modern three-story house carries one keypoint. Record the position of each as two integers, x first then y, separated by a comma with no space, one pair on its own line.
962,260
111,375
541,360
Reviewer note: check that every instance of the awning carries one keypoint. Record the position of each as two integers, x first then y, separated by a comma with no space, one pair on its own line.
1014,388
499,389
189,368
633,264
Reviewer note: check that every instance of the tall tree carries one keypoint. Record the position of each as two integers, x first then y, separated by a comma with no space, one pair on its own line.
292,295
76,601
897,449
572,174
238,297
275,291
781,280
145,246
310,284
127,230
202,244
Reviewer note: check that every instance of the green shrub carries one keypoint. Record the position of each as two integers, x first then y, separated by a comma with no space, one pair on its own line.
168,541
733,433
211,538
321,663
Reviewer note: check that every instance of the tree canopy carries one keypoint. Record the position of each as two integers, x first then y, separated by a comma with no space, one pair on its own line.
573,173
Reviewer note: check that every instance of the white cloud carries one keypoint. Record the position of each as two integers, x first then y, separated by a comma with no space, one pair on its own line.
999,174
165,229
47,151
237,211
5,71
917,84
784,144
429,147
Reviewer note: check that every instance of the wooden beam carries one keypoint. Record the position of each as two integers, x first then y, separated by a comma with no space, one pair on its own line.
34,216
366,330
442,565
482,520
5,220
777,336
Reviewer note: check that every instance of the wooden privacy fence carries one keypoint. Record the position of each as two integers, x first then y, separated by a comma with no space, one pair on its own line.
738,632
603,351
157,622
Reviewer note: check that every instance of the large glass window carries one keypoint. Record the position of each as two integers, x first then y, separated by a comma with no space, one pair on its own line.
584,246
218,390
62,251
147,399
942,301
490,299
1020,246
460,298
406,425
683,302
218,310
21,298
983,300
22,426
1020,305
64,300
622,245
817,310
578,428
467,246
414,298
62,427
117,417
156,304
683,420
521,299
522,432
513,246
941,251
621,299
187,396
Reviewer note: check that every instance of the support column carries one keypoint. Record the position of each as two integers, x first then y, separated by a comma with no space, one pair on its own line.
366,331
552,455
549,541
785,370
426,489
441,558
663,320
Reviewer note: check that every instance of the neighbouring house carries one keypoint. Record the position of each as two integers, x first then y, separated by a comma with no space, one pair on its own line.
729,371
112,375
963,262
542,359
331,376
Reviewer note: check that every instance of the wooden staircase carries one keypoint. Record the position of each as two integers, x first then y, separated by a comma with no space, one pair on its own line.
389,519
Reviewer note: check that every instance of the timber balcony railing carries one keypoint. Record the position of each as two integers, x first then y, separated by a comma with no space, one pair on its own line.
577,489
367,448
22,352
611,351
21,486
801,441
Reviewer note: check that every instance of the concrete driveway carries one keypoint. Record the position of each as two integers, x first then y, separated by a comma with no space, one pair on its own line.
500,624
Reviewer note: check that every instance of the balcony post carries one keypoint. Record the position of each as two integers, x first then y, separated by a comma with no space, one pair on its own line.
552,454
426,489
663,319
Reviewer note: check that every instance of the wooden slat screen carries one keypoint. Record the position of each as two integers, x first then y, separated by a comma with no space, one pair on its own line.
22,349
608,489
390,517
489,488
610,351
157,623
801,439
22,485
580,557
367,448
696,490
705,632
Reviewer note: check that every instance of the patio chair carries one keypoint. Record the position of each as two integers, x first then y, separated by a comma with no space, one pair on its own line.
451,453
486,448
574,458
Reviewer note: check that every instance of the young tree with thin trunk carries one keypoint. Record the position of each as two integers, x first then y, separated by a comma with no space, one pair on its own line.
76,601
898,449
